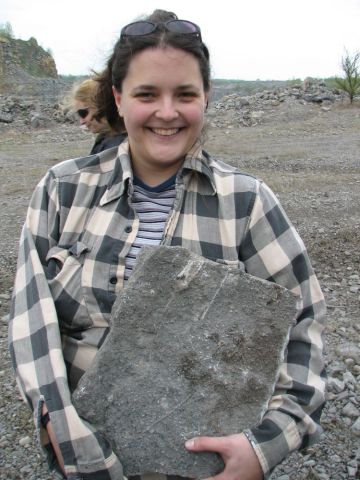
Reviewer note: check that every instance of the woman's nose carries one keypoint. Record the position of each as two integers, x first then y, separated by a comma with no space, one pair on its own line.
167,110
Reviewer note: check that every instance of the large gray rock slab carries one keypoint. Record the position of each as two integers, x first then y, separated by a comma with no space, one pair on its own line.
194,349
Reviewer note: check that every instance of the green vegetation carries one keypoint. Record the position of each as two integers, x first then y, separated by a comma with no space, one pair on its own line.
6,30
351,81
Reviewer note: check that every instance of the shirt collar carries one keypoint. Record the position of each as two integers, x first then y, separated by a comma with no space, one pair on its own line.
199,161
122,177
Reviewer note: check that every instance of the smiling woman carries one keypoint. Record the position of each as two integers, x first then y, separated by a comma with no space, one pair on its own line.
89,218
162,102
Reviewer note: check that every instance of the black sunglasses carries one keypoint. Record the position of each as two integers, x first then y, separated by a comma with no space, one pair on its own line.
83,112
182,27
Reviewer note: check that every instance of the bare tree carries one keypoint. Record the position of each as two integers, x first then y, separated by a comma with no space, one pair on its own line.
351,81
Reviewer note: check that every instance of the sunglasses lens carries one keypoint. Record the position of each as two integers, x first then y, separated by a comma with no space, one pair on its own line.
83,112
138,28
182,26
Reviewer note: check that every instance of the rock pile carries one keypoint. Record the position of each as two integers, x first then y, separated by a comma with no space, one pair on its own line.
250,110
21,111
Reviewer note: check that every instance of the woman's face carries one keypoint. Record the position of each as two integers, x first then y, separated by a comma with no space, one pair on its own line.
88,121
162,103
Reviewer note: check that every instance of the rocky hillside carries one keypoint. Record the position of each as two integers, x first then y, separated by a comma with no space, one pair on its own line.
26,69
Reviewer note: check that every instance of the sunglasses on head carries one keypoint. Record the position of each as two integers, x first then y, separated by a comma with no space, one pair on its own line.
181,27
83,112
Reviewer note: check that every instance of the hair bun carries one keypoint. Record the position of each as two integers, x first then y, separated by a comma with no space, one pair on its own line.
161,16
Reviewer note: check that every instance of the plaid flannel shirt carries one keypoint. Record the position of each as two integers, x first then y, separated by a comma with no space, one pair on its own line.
78,230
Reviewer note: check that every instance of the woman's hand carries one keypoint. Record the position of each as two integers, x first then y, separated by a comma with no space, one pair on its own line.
241,462
54,442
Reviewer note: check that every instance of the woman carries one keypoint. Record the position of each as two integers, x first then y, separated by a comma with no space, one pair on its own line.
84,102
86,225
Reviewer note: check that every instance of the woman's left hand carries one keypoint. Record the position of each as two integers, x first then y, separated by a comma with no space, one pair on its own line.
241,462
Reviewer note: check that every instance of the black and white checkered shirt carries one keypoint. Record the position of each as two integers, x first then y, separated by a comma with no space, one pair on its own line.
80,227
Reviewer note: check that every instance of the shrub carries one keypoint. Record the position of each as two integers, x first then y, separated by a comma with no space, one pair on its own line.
6,30
351,81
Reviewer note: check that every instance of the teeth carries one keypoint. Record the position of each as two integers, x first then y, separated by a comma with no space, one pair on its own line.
165,131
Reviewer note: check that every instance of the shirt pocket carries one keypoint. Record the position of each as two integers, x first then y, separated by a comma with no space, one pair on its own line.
65,266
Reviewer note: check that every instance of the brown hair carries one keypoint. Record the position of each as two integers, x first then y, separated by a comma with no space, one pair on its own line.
124,51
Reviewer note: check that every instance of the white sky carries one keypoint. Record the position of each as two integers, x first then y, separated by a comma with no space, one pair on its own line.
248,39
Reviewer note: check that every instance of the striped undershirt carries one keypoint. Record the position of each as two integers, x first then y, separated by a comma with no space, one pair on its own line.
152,205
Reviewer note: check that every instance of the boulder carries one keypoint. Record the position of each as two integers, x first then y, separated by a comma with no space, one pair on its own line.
194,349
6,118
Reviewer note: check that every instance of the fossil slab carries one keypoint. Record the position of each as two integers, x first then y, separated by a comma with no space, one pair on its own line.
194,349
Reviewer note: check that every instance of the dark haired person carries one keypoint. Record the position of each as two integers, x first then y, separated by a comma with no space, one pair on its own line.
87,223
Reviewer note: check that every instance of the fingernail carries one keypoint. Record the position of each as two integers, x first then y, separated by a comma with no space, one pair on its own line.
189,443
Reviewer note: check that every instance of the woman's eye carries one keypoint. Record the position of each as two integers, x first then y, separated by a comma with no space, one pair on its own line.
145,95
188,95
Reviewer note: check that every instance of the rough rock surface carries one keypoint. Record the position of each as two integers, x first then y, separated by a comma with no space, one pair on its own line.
26,68
188,354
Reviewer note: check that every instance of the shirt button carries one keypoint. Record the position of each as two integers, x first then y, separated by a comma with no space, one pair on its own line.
113,280
128,229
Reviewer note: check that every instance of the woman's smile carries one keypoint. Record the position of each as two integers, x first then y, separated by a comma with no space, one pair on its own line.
165,132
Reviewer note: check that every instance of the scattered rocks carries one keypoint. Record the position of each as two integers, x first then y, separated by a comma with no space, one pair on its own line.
22,111
356,427
351,411
24,441
335,385
349,350
6,118
251,110
38,120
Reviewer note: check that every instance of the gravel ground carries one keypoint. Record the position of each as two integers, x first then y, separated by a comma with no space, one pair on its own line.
310,156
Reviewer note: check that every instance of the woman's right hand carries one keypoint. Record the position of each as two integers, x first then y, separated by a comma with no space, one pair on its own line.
241,462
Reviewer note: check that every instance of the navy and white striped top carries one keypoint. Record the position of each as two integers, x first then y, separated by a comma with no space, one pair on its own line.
152,205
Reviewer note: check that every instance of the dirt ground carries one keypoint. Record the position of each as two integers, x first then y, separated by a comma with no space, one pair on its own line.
309,155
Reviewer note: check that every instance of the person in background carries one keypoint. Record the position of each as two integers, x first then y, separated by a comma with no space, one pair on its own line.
87,221
83,100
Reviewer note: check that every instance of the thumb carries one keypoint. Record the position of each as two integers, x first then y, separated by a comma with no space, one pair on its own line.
204,444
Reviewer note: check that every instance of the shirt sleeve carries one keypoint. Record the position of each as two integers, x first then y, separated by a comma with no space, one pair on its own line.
273,250
36,351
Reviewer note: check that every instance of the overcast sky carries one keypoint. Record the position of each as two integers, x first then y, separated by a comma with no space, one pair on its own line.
248,39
